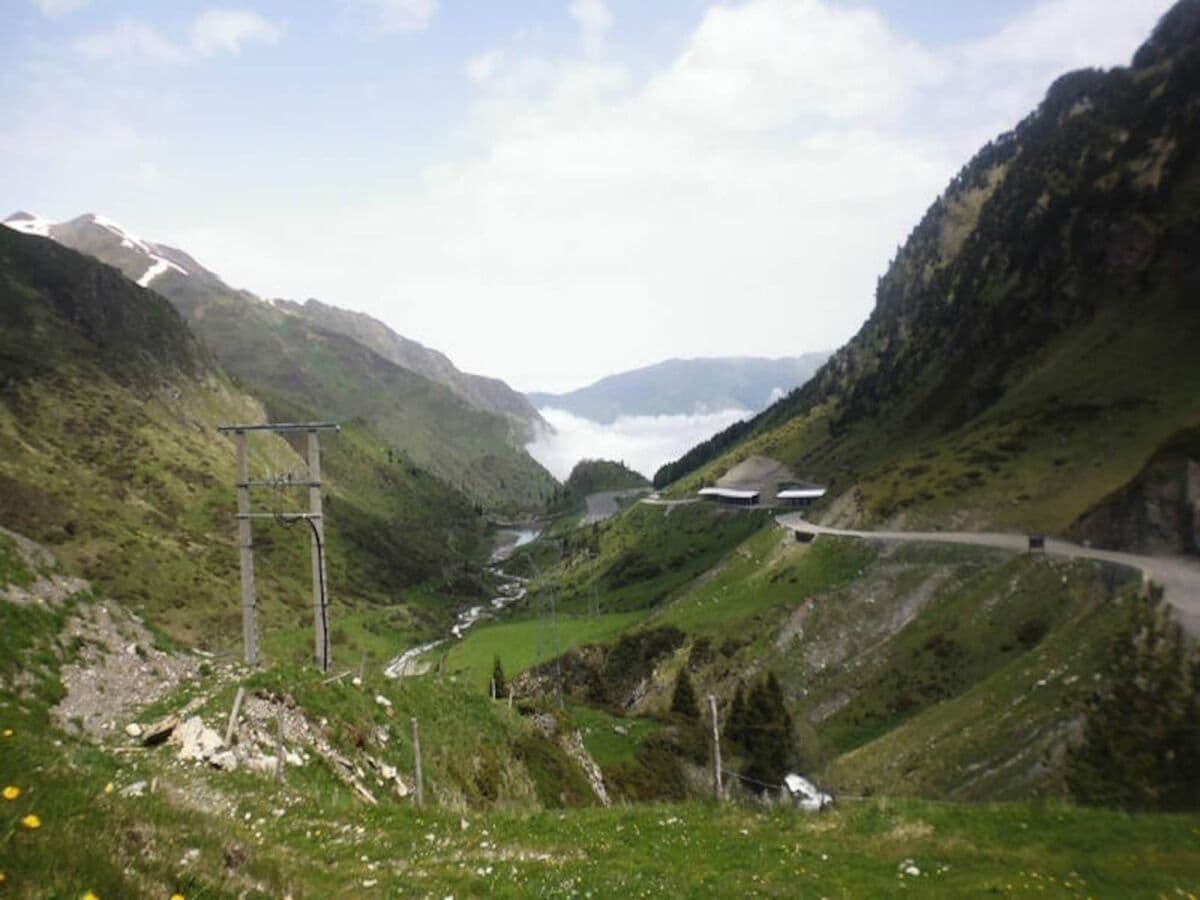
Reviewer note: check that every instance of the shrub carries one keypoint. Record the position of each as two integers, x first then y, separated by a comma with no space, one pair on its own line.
1140,747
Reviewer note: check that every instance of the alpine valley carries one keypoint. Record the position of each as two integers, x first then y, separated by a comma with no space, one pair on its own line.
931,629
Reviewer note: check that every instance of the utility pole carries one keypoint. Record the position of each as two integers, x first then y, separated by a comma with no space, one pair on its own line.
314,518
246,550
320,585
716,749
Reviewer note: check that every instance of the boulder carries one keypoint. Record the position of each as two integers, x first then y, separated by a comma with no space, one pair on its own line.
195,740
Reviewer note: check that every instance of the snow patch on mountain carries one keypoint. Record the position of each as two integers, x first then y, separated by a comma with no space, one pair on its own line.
28,223
160,266
157,265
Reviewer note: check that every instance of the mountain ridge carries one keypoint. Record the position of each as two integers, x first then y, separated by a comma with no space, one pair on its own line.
280,352
685,386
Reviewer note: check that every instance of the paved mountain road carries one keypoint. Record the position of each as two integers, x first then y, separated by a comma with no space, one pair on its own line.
1179,577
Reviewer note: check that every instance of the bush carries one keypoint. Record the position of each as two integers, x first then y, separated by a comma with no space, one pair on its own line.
1140,748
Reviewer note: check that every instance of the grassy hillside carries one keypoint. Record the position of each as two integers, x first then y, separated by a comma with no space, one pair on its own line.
141,824
108,411
1032,345
935,670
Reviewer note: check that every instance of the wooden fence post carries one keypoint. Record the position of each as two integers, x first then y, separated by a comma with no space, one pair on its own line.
716,749
416,741
279,748
237,707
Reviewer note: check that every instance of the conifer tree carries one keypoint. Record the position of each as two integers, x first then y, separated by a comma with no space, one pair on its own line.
767,733
735,725
683,699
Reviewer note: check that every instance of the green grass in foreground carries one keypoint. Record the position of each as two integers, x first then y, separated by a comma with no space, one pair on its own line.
516,643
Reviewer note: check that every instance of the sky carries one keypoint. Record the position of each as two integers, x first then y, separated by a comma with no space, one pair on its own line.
549,191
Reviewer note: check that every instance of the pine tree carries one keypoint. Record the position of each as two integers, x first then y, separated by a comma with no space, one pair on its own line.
767,733
683,699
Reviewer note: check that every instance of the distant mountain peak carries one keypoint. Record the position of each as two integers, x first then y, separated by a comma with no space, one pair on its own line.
696,386
140,260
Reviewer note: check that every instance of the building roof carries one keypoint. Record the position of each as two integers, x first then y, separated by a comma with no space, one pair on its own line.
801,493
728,493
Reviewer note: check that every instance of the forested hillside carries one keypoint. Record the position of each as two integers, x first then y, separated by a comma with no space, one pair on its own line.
1033,342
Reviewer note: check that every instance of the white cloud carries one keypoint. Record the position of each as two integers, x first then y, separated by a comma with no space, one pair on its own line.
766,64
225,30
403,15
130,41
1068,34
55,8
481,68
644,443
741,199
211,32
1007,73
595,19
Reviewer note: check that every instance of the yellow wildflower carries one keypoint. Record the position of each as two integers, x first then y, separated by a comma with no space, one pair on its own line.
3,878
177,897
7,732
12,792
90,895
108,788
31,821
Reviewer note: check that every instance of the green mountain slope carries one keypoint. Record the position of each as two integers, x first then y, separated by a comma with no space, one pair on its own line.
109,454
1033,343
487,394
332,364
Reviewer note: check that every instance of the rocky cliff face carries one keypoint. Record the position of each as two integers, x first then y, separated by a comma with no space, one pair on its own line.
1158,512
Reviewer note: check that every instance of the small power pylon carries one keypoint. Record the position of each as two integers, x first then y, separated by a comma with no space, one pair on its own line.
316,523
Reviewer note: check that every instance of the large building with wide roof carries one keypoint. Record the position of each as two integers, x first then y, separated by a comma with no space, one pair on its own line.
762,481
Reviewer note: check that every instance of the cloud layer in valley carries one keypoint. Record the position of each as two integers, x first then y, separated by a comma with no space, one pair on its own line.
643,443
